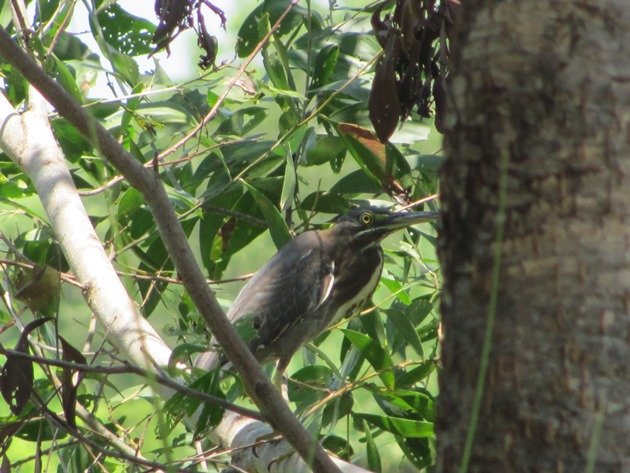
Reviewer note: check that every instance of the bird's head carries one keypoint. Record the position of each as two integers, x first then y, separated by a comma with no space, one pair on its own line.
369,225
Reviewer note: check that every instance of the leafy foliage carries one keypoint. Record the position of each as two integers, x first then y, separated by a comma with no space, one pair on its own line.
289,148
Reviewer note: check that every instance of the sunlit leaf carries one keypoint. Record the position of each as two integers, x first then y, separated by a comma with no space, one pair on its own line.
249,34
325,63
375,354
373,456
277,226
125,32
289,181
400,426
406,330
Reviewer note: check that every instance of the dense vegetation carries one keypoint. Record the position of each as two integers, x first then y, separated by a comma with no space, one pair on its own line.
251,151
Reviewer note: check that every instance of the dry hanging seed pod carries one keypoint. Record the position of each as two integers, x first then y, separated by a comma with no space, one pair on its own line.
412,71
176,16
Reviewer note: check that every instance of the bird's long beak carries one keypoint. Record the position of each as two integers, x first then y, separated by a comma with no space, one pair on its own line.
397,220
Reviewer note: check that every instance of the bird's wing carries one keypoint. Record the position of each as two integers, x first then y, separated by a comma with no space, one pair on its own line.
291,285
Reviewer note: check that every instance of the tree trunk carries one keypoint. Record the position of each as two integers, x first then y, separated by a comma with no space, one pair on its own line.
535,247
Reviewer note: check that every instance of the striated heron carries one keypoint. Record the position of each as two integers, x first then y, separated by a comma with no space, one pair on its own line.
312,282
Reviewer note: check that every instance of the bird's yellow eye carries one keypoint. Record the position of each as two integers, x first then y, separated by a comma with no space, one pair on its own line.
366,218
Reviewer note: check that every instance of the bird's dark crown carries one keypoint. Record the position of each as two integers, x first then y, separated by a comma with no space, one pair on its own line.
368,225
364,216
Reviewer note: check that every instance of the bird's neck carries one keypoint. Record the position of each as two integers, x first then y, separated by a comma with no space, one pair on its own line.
358,274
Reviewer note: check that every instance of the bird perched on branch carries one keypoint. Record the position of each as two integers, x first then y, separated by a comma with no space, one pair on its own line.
312,282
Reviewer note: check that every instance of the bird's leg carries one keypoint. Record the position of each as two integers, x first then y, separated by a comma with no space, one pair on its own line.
280,380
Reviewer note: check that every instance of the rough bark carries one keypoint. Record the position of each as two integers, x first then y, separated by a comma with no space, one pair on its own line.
540,96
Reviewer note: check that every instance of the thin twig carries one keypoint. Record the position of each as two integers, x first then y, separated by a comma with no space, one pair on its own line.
71,279
130,369
65,277
308,118
355,384
420,201
215,109
120,454
61,29
188,157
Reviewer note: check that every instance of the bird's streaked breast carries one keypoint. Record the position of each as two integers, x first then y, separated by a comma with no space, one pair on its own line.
372,267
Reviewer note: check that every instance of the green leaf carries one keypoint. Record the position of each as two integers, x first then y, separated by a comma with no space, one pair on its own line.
66,79
352,46
324,67
418,310
406,330
411,132
290,180
373,456
127,33
337,409
406,403
166,112
10,189
417,374
277,226
372,326
307,385
246,328
244,232
356,182
242,121
324,202
212,222
69,47
272,60
277,67
428,163
396,165
420,451
125,67
249,33
73,144
16,86
75,458
400,426
182,201
374,353
339,446
129,202
183,351
180,404
325,148
398,289
283,93
297,136
39,430
45,10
